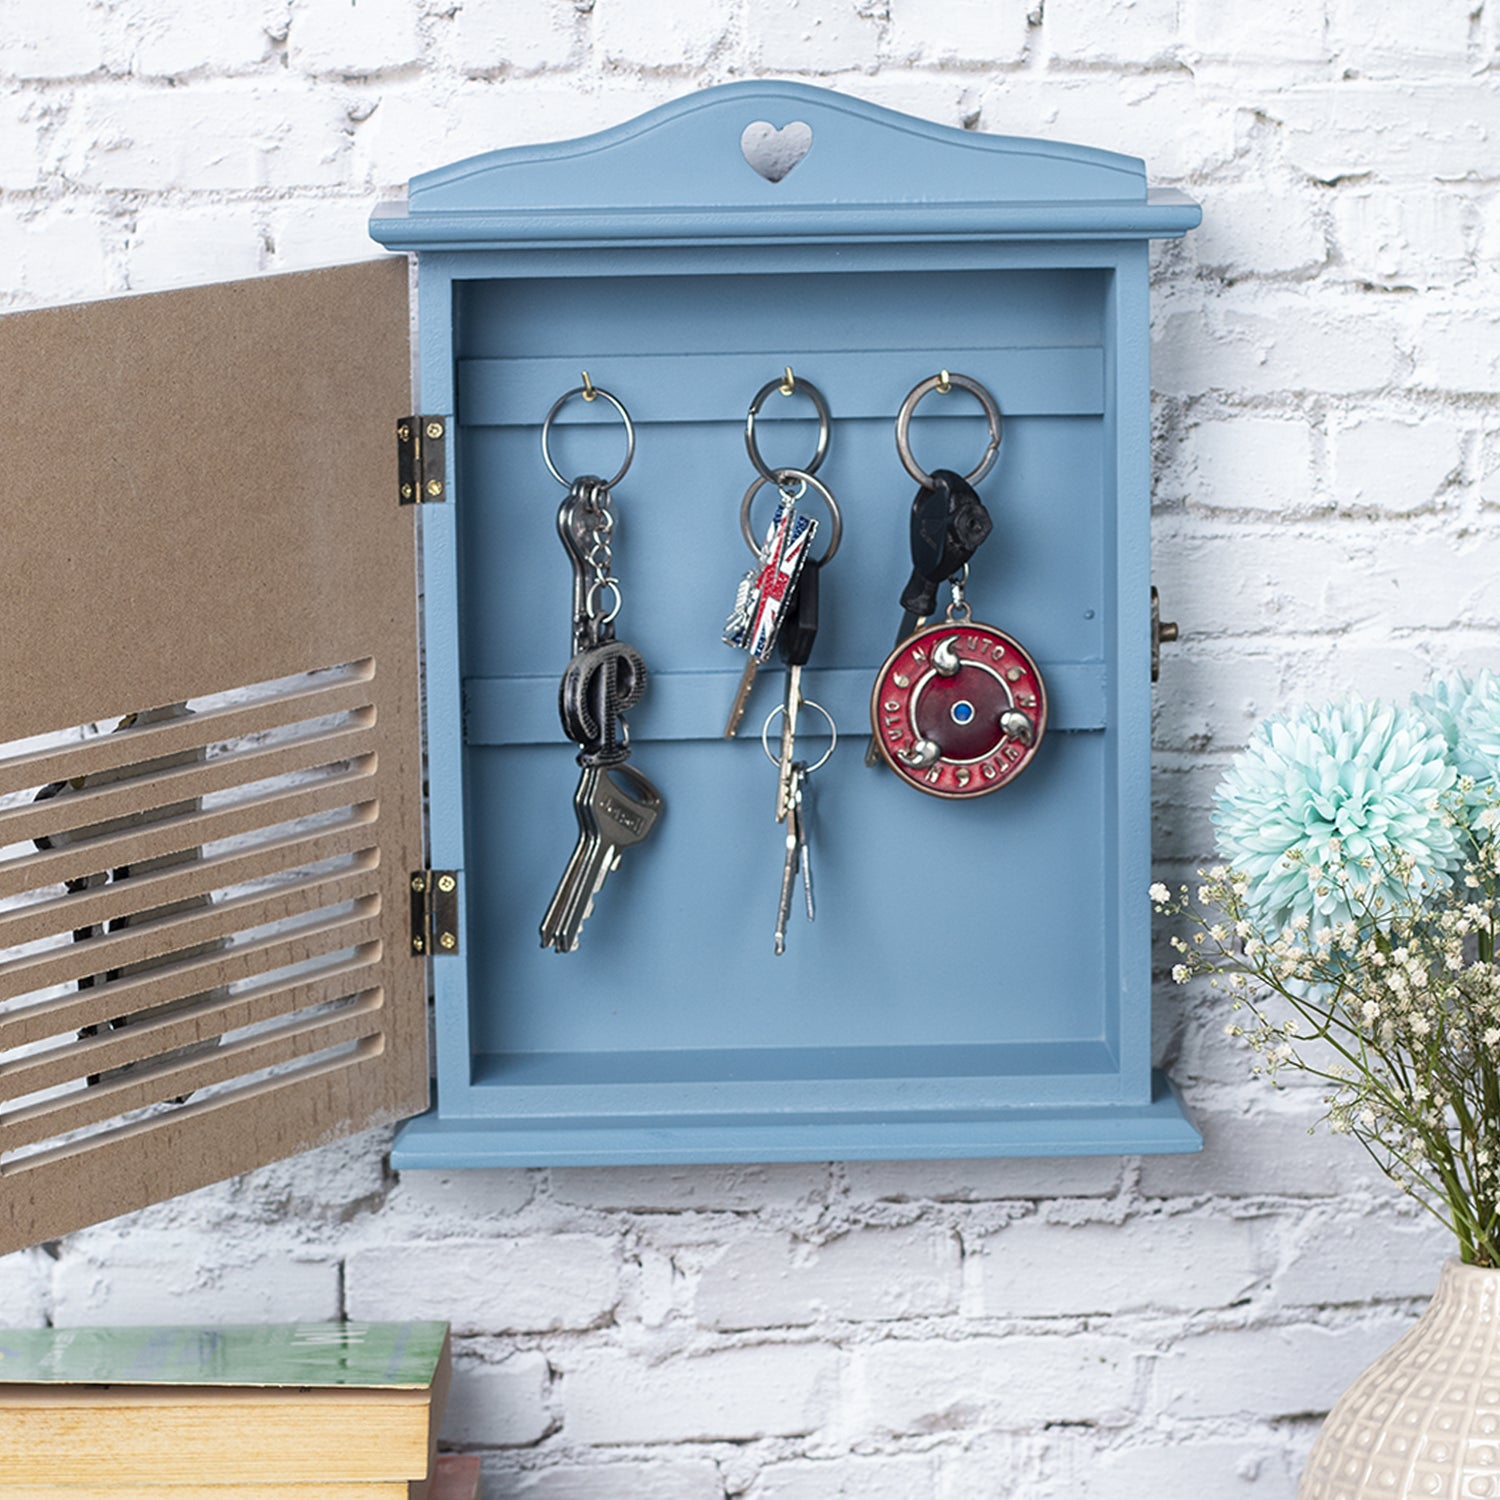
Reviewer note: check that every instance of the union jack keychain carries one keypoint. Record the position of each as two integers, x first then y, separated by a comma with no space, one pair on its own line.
768,589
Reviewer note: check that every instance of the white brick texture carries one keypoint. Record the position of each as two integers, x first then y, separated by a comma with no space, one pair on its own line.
1326,471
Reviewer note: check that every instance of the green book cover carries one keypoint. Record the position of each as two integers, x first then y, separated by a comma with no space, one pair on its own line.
368,1355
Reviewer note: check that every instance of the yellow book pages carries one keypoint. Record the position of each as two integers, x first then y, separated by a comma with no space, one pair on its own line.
158,1436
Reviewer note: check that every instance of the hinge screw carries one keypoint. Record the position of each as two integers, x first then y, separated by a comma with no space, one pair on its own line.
448,940
404,432
418,946
434,429
446,883
406,492
418,883
434,487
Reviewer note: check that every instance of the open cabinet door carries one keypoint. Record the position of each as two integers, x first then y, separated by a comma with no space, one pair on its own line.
210,776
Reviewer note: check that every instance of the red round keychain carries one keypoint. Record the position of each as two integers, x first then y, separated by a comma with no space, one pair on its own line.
959,708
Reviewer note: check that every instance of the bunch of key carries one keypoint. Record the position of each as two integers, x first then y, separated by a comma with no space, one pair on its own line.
615,805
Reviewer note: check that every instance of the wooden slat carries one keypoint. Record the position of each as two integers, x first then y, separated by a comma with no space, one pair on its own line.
348,691
93,806
145,1086
96,1005
167,935
217,1014
100,904
190,831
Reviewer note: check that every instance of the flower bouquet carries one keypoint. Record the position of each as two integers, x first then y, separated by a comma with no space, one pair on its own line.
1352,927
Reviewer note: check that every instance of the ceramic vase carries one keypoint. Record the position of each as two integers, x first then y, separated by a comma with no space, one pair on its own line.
1424,1419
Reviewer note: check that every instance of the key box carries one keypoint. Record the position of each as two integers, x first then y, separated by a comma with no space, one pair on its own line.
218,920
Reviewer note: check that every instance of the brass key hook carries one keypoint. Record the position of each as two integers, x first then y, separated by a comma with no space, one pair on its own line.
943,383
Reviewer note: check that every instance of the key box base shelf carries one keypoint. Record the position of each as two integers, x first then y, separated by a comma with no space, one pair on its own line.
977,981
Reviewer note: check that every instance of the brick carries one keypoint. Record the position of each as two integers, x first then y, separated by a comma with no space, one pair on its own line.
305,232
1179,128
660,1479
1408,39
487,1286
69,39
811,36
1276,31
1244,461
709,1188
730,1395
225,136
1268,1372
1395,465
353,36
1268,1153
168,39
1218,693
1255,1467
668,33
465,1196
900,1388
1409,237
334,1183
1036,1269
957,31
1409,130
1364,1259
975,1181
1117,31
53,254
500,1404
517,38
1277,342
21,124
25,1282
116,1275
897,1476
1260,229
1458,350
867,1275
178,246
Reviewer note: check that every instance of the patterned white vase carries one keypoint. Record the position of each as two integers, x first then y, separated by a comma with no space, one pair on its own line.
1424,1419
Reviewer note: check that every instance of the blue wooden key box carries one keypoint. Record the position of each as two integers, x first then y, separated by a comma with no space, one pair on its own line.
977,981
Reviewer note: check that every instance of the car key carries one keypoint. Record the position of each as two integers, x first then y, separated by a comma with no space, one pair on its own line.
798,860
622,806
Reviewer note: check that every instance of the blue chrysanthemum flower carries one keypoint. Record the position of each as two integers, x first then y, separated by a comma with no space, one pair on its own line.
1361,779
1468,715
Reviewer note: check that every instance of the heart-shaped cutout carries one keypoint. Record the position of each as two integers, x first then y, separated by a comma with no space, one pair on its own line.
772,152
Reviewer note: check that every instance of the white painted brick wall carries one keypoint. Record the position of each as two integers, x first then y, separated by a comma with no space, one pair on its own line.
1327,419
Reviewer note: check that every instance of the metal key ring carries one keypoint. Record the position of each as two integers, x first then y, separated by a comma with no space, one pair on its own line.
945,382
557,406
788,385
833,729
783,479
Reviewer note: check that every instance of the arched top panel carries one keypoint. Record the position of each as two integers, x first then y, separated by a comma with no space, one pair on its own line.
843,169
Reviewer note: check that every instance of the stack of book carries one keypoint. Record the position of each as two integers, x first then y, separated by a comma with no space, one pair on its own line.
322,1411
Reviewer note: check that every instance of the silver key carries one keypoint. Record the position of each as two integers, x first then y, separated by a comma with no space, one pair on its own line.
622,807
798,860
583,798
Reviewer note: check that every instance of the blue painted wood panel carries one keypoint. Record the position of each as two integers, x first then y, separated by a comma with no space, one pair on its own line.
973,965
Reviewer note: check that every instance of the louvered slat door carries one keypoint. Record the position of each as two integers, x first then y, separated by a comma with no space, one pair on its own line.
210,797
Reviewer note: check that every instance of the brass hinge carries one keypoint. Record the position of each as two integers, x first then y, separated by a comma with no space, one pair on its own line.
421,443
434,912
1161,630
